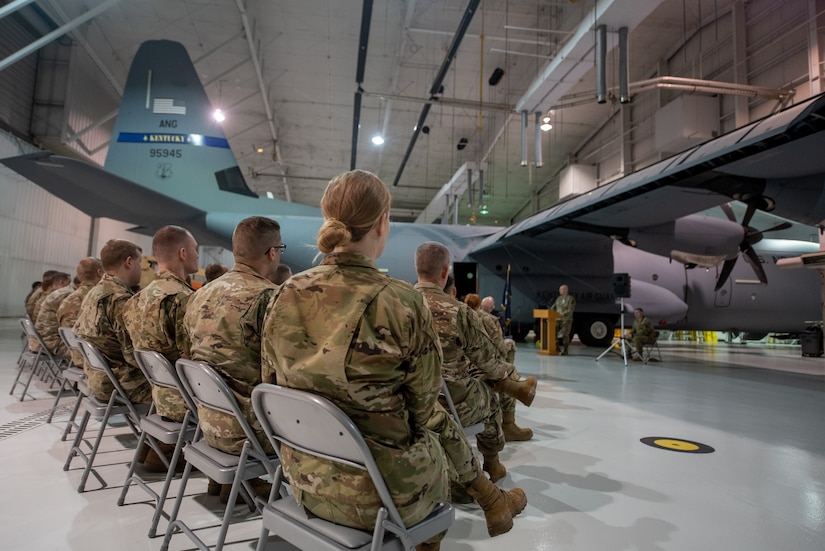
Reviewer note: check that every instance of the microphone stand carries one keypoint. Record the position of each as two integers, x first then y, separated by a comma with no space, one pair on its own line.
619,338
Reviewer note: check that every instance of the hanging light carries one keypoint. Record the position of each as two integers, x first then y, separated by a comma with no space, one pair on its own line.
545,124
378,139
484,209
219,116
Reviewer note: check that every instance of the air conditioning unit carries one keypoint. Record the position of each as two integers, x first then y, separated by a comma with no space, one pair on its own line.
686,121
576,179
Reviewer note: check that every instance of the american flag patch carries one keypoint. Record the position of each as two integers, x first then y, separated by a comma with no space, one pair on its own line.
167,107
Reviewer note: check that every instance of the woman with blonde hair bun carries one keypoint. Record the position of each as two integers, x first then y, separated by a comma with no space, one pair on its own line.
365,341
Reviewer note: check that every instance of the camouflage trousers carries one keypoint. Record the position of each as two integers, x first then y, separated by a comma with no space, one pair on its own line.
563,328
462,463
169,403
224,432
639,341
139,392
478,403
416,476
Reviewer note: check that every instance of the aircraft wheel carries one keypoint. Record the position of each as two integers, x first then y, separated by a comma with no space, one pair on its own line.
596,331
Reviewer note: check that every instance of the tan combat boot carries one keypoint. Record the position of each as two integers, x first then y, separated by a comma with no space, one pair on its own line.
564,352
499,506
523,391
513,432
428,546
493,467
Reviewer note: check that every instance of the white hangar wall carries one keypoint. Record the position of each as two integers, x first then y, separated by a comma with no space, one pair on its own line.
39,232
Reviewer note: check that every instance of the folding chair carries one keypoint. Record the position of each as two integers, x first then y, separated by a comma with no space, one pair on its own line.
70,376
647,351
50,364
118,404
73,374
470,430
155,428
313,425
203,386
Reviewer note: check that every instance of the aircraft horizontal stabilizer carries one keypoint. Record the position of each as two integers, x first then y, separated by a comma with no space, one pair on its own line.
99,193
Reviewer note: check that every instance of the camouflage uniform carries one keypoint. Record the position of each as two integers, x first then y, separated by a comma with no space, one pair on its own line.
469,355
366,342
36,306
67,314
154,319
642,333
100,321
47,325
507,349
564,305
31,301
224,321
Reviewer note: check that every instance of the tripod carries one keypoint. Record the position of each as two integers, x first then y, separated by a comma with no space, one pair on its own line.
619,338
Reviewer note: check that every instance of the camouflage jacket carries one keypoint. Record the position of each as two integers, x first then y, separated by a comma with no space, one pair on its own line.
100,321
38,302
31,301
464,342
366,342
565,305
224,321
47,323
154,317
493,329
67,314
643,329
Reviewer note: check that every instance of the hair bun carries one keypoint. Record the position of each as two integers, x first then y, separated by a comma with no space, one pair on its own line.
333,233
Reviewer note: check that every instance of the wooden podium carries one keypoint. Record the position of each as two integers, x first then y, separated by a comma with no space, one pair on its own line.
547,331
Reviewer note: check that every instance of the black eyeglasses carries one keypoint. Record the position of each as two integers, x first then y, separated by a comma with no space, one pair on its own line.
281,247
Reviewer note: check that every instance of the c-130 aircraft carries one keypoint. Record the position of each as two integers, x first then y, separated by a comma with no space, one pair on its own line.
170,163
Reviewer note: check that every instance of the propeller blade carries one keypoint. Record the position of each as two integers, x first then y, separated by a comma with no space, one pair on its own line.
753,260
727,268
778,227
749,214
726,208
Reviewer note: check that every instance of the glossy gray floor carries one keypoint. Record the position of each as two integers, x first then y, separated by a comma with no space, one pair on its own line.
590,482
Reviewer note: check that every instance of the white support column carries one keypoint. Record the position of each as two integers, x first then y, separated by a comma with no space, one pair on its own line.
740,64
814,57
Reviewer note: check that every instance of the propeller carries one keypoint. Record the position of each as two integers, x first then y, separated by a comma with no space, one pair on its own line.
751,237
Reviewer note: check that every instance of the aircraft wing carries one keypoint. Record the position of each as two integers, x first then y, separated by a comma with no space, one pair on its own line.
747,164
85,186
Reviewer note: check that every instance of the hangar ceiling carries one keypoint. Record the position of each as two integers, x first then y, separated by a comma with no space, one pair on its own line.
288,77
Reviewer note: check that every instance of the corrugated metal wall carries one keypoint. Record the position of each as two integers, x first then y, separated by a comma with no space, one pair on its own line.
39,232
18,80
90,99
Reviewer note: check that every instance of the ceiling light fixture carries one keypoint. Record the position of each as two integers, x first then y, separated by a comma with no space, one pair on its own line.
219,116
378,139
259,149
545,124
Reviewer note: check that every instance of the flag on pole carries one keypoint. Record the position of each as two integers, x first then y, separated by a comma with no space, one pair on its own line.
505,303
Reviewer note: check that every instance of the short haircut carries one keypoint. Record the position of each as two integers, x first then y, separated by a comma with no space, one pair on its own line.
48,277
116,251
167,241
283,273
640,310
430,258
36,284
214,271
61,277
87,269
254,236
